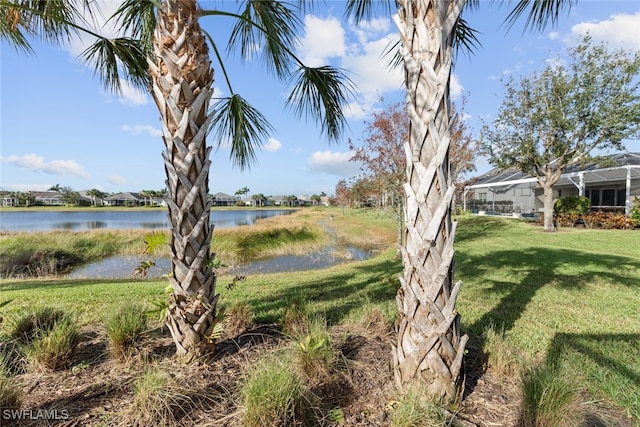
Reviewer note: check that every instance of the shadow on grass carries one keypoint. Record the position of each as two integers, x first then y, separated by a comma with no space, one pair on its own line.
608,351
530,270
475,227
22,285
609,362
337,295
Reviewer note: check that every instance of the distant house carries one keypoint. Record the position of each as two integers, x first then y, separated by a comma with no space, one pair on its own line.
283,201
49,198
124,199
6,200
222,199
610,188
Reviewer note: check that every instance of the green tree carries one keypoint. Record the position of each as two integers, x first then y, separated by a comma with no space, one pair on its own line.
555,119
69,196
259,199
167,51
24,198
429,347
96,194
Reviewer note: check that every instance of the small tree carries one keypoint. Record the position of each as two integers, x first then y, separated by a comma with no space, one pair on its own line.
69,196
557,118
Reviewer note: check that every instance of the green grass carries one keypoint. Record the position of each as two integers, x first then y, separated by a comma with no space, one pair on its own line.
53,349
272,394
550,399
569,298
124,328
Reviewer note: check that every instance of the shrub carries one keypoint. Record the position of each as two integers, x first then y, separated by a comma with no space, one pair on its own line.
54,349
572,204
273,395
549,400
567,219
124,328
608,221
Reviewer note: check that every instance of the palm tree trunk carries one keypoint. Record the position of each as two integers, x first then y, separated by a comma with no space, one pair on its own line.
429,348
182,87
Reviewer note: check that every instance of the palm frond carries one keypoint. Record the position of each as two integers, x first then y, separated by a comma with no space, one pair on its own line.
465,38
236,121
50,21
11,29
362,10
268,27
540,13
321,92
116,59
392,51
138,19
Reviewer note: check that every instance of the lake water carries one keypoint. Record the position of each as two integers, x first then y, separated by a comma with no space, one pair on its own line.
83,220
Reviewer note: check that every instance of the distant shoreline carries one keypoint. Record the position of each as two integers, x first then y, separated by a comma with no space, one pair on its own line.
129,208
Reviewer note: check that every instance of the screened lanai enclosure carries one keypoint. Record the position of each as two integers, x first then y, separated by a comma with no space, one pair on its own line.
612,185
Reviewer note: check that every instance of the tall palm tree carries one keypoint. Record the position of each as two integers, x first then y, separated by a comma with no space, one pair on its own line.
168,52
429,346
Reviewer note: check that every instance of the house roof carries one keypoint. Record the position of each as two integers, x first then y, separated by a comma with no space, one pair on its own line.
615,168
125,196
222,196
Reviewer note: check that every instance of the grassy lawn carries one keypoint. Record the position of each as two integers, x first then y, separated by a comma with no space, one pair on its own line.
569,298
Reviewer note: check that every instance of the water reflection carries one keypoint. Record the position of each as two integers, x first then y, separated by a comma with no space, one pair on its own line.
80,220
122,267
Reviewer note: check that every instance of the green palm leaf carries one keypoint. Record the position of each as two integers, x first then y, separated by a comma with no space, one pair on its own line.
236,121
320,92
137,18
270,27
116,59
540,13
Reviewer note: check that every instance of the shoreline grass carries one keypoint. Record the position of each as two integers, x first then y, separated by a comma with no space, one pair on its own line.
568,299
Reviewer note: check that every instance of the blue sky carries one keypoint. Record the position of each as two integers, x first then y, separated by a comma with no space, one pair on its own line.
58,126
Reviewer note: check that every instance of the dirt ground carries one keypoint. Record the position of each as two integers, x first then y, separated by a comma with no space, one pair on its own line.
97,390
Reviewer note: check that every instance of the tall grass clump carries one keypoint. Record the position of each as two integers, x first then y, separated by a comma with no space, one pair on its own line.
9,394
26,327
156,401
549,399
313,352
124,328
500,355
54,349
412,409
272,394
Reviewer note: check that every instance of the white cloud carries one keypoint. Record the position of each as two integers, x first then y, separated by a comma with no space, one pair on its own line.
334,163
54,167
132,96
619,31
455,86
117,180
139,129
371,71
272,145
323,39
26,187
